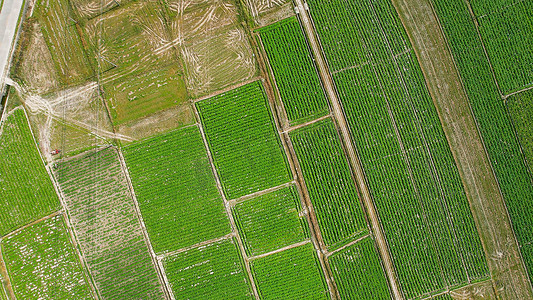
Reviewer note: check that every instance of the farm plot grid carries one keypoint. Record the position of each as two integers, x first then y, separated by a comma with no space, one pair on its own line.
505,28
410,170
42,263
271,221
492,119
108,231
291,274
213,271
331,188
358,273
24,196
176,189
243,140
294,70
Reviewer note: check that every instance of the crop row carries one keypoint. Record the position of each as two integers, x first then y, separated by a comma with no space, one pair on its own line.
329,182
42,263
243,140
492,120
102,212
408,164
176,190
296,75
26,195
520,108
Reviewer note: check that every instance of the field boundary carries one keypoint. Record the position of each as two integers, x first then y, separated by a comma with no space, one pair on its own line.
357,240
296,127
233,202
197,245
56,213
305,242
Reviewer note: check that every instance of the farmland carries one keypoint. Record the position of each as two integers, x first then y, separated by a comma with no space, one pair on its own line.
24,196
505,32
176,190
108,230
42,263
358,273
328,179
271,221
405,155
493,121
213,271
247,150
520,107
294,71
291,274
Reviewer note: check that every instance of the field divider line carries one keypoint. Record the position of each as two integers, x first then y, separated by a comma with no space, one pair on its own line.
225,90
55,213
353,157
197,245
234,228
280,250
357,240
260,193
517,92
160,272
296,127
281,121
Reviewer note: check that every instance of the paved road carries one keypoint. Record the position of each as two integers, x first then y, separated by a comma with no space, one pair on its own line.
8,27
341,120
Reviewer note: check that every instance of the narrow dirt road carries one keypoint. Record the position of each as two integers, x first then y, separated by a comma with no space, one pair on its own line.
487,204
354,161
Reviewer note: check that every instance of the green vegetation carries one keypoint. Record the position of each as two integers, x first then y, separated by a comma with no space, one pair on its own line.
61,33
24,196
330,184
404,152
296,76
358,273
243,140
506,33
271,221
214,271
108,230
291,274
176,189
492,119
42,263
520,108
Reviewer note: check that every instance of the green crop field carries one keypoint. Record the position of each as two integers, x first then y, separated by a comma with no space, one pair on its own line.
242,137
175,186
358,273
271,221
330,184
24,196
108,230
406,158
291,274
492,119
506,32
42,263
294,70
214,271
520,107
61,33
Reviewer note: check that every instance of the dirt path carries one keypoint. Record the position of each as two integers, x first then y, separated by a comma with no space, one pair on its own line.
451,101
354,161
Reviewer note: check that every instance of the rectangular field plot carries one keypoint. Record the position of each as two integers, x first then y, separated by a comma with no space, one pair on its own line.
246,148
358,273
330,184
291,274
176,190
214,271
294,70
108,230
506,33
42,263
271,221
59,29
24,196
492,119
410,170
